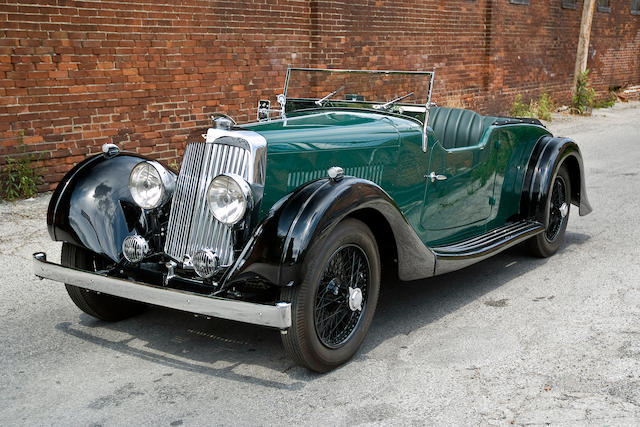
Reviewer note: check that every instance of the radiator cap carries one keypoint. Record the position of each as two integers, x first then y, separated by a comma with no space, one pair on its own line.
222,121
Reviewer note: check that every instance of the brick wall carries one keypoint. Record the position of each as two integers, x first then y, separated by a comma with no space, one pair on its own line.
145,74
614,51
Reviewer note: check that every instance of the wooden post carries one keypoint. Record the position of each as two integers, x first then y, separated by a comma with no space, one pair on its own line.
583,41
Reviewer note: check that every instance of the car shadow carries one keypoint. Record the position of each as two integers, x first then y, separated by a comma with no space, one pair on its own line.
232,350
409,306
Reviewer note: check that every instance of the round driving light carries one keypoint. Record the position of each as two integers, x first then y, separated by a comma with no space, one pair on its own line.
134,248
150,184
227,198
205,263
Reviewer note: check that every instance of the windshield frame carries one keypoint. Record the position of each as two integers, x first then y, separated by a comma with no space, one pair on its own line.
427,104
282,99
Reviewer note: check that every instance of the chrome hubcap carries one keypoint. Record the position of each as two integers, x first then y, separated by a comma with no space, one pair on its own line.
355,299
564,210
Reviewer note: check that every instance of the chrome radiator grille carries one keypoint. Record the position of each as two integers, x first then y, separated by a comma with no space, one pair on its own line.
191,225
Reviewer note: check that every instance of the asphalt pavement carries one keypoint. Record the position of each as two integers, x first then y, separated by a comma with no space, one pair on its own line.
513,340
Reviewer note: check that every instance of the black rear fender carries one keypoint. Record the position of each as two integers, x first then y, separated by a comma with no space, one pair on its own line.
549,154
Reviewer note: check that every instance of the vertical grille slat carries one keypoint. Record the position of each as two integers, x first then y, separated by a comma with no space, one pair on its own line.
181,199
217,165
198,211
191,225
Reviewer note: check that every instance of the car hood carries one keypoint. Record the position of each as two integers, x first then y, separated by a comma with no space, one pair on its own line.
327,130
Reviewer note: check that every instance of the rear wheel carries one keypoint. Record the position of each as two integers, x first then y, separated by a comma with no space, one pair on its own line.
556,217
101,306
333,307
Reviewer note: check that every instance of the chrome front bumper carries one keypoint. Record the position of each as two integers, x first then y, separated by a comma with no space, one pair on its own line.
276,316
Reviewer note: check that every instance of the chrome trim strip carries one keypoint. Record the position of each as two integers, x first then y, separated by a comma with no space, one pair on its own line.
276,316
347,70
462,254
473,245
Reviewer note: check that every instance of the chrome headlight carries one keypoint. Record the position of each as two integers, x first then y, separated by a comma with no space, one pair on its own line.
227,197
150,184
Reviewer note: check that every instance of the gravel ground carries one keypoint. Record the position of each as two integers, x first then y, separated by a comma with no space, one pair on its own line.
511,340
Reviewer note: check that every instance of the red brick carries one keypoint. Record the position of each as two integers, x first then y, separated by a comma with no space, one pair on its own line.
146,75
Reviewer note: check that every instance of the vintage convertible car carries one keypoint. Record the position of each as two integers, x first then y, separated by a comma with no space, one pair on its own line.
290,222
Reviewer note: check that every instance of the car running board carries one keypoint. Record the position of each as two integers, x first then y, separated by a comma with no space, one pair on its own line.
467,252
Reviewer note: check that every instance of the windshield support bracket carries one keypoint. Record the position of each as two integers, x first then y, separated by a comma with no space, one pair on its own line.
427,107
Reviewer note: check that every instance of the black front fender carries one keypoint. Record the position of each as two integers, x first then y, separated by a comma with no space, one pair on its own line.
278,247
548,155
92,206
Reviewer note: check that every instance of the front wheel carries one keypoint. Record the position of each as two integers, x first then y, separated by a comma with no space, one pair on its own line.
556,217
333,307
101,306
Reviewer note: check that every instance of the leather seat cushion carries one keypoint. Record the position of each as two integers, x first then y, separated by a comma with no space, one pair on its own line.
457,127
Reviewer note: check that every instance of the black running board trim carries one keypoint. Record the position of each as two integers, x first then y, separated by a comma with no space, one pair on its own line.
467,252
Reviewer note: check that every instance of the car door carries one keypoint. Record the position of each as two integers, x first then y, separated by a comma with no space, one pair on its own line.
459,191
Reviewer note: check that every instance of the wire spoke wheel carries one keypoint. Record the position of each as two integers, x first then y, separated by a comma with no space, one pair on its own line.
333,306
557,208
342,295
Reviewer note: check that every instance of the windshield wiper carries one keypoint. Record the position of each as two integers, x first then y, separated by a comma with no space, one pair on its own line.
320,101
386,105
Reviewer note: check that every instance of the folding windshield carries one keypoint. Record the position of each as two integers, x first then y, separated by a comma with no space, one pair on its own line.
355,88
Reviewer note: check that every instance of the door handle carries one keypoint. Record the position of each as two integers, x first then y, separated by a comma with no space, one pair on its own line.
435,177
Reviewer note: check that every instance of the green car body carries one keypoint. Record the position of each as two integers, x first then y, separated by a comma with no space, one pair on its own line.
484,180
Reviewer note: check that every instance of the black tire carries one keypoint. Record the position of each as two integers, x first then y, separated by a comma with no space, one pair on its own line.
101,306
311,341
556,218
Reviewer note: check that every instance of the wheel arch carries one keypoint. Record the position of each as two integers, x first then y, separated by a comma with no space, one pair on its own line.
279,244
575,178
385,239
548,155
